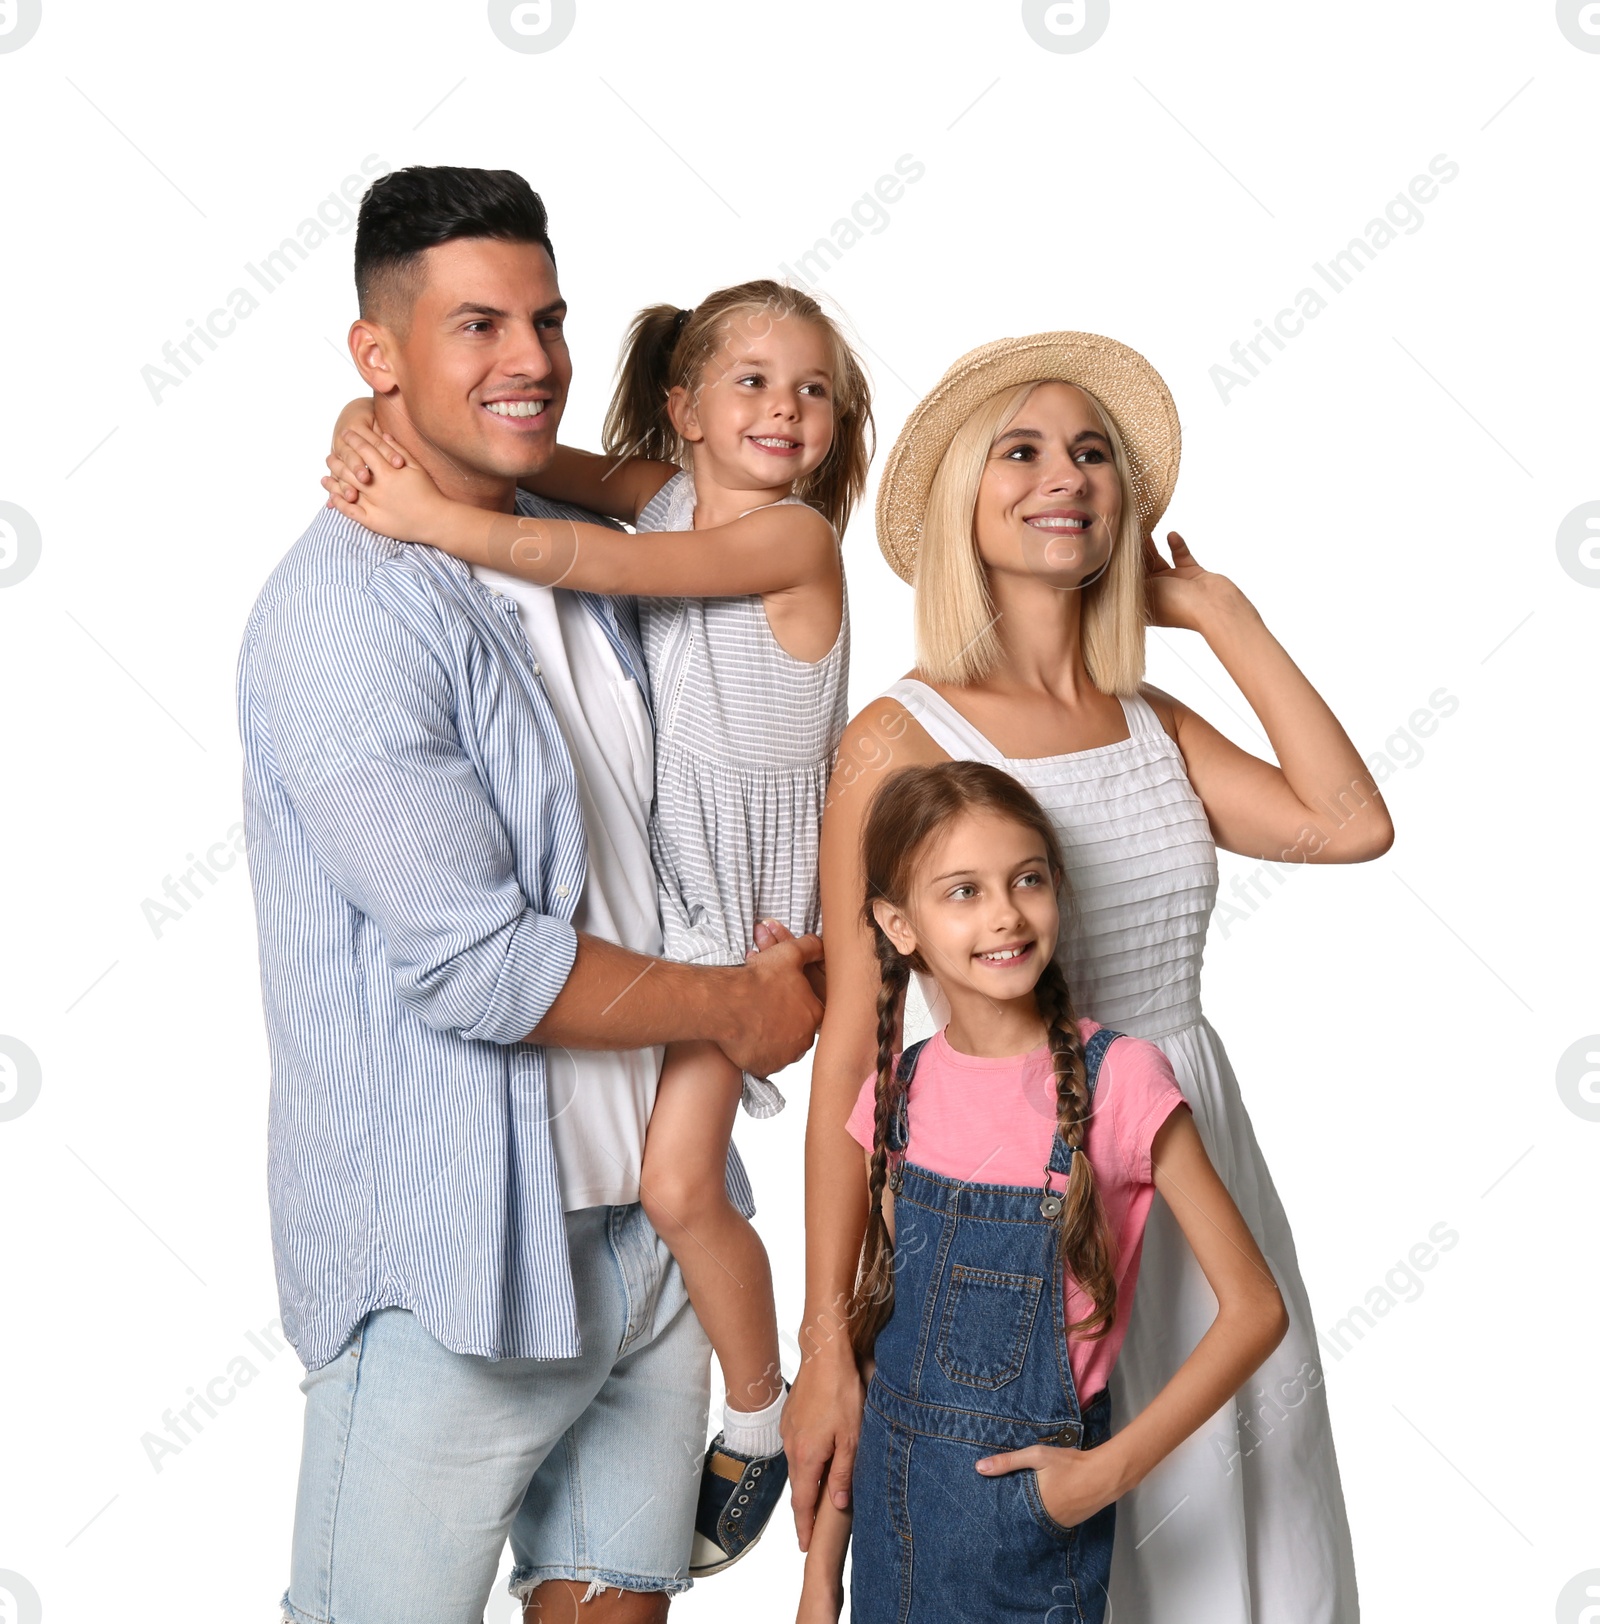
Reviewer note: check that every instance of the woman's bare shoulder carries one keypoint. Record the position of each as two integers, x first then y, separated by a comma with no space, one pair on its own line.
883,735
1170,712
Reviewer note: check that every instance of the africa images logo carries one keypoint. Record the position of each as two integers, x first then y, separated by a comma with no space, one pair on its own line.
1065,25
19,1601
1577,544
21,1078
532,25
20,543
19,22
1579,20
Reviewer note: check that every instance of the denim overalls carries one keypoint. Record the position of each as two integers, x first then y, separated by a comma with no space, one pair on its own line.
972,1361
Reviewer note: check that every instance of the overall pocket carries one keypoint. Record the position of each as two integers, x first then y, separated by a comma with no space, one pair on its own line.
988,1318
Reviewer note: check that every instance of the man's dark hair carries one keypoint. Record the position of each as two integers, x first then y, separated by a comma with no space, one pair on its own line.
412,210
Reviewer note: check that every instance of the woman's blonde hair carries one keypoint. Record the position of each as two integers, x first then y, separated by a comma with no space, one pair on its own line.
954,610
667,348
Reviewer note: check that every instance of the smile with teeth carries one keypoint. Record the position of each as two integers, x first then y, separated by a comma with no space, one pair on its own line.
772,442
1050,521
516,408
1006,955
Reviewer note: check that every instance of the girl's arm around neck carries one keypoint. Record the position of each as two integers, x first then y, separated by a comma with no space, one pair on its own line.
618,487
772,550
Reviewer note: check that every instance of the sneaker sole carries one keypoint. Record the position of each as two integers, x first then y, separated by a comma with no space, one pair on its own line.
726,1562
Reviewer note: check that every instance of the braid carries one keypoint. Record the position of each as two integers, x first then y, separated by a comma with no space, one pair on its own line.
874,1294
1083,1236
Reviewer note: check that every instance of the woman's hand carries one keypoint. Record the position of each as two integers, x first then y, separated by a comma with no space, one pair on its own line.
1073,1483
821,1426
371,480
1182,594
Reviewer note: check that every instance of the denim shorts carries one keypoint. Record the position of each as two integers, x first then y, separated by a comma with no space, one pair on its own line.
419,1463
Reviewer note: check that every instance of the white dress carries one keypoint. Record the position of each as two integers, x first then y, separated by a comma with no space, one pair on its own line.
1245,1523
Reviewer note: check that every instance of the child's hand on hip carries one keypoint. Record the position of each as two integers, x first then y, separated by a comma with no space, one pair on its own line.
1073,1483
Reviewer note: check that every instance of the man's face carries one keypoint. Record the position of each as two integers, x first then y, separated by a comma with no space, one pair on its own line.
482,371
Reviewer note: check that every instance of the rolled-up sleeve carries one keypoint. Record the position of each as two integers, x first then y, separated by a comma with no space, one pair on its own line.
360,714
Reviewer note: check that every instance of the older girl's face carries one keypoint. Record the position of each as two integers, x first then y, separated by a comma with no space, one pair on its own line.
1050,502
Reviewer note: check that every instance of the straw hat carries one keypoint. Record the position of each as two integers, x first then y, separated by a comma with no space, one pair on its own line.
1121,379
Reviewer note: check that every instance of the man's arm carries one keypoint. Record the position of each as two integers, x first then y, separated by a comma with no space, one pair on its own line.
361,718
762,1015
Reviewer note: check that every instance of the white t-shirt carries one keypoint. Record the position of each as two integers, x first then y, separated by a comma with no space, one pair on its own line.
600,1099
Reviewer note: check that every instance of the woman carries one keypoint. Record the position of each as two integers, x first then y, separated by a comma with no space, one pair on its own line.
1021,497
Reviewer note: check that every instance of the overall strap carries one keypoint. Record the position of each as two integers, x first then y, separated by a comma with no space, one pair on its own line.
899,1127
1094,1051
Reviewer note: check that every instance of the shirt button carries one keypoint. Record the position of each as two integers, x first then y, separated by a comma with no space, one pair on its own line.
563,891
538,670
495,592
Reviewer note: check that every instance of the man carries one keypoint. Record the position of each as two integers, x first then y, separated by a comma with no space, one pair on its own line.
447,785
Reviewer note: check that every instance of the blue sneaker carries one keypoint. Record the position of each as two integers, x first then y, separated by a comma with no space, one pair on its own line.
738,1495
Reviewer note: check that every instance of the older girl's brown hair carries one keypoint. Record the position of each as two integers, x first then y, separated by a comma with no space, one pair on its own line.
914,805
667,348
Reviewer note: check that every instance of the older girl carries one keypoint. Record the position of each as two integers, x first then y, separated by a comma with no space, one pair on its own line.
1011,1163
1021,496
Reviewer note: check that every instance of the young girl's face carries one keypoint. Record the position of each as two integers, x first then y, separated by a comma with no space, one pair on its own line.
982,909
1050,502
762,410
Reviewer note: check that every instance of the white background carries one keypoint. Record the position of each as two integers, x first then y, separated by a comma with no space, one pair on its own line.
1388,491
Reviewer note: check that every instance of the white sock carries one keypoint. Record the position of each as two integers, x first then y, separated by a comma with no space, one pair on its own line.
753,1432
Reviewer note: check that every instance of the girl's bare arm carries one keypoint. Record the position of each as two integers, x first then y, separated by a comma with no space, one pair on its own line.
772,550
822,1588
1251,1321
618,487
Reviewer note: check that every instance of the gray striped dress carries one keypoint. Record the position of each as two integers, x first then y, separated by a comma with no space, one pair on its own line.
745,740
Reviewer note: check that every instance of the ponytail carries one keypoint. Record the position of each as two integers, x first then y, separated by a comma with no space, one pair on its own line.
636,422
667,348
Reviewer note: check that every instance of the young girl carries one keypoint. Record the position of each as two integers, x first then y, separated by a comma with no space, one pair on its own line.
739,438
1011,1163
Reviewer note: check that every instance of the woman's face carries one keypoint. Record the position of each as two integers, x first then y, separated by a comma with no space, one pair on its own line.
1050,502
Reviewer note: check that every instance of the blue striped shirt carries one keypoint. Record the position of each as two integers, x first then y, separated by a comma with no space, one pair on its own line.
416,846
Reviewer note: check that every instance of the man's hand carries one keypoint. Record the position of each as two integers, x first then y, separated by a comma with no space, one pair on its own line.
774,1014
768,933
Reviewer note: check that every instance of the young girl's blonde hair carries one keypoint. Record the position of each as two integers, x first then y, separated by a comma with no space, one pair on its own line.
913,806
667,348
954,611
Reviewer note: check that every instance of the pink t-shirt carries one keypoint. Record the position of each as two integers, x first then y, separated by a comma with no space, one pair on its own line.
991,1122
